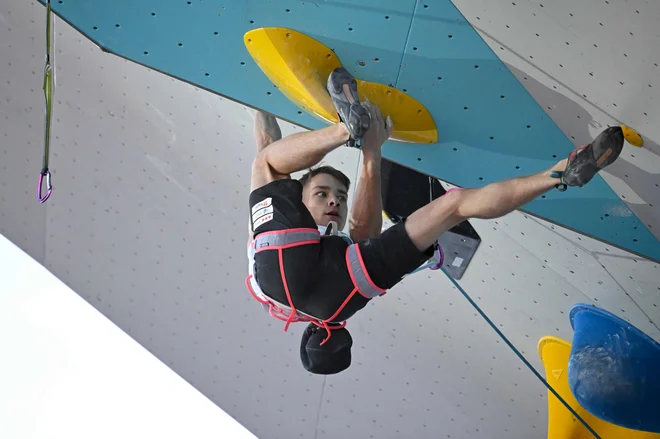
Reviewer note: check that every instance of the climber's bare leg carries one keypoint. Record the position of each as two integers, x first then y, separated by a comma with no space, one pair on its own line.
497,199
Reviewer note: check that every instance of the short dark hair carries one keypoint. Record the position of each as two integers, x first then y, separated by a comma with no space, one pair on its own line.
326,170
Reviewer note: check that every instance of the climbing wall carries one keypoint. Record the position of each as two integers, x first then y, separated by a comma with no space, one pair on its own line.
588,69
490,126
147,223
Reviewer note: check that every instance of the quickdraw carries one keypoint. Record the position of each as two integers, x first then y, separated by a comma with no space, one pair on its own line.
438,259
48,94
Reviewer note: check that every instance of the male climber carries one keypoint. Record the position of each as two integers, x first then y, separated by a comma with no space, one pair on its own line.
300,272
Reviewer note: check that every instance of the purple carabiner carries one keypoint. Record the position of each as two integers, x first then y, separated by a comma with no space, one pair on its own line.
45,173
441,257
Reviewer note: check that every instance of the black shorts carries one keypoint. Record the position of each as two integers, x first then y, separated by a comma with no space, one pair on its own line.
322,273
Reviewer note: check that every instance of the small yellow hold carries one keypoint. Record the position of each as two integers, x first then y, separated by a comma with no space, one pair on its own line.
632,136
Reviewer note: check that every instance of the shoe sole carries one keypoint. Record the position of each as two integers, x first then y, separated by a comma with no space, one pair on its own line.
343,91
601,153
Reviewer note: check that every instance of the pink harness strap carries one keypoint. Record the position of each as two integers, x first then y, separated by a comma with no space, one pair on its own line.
283,239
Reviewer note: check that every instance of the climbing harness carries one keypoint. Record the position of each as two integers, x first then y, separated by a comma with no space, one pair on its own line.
280,240
48,94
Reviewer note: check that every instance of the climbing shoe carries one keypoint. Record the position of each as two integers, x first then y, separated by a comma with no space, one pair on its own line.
343,91
587,161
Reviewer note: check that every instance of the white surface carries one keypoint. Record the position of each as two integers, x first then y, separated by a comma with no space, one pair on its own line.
69,372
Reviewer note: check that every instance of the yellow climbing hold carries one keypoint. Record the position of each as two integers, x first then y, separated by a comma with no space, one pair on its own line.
299,67
554,353
632,136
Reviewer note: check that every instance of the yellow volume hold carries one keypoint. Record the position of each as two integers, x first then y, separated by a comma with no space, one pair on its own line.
555,353
299,67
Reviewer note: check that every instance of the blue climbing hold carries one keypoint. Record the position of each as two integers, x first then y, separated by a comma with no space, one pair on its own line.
614,369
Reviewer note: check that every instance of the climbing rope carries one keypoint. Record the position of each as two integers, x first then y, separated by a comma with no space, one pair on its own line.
522,358
437,263
48,93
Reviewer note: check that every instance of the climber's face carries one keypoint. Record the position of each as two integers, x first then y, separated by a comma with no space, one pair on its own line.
327,200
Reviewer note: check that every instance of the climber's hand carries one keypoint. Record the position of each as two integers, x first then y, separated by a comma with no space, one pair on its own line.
379,131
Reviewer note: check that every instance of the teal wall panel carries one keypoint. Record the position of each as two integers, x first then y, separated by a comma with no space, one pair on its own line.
490,127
